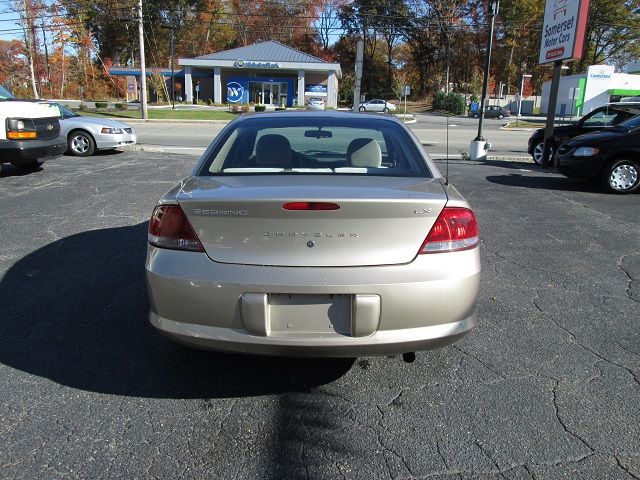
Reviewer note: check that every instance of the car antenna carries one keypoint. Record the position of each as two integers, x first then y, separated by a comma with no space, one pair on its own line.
446,176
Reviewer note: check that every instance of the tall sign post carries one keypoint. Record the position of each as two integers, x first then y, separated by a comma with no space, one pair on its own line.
563,32
406,89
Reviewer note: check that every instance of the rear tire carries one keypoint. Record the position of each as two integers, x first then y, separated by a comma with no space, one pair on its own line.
500,116
81,143
362,109
475,115
621,176
385,110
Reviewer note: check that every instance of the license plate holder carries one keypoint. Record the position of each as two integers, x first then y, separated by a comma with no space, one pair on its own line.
309,314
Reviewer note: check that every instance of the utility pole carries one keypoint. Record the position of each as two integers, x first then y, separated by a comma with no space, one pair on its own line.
359,61
25,17
46,52
173,76
143,70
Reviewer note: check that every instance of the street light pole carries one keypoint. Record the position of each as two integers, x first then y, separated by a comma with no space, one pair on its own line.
478,147
520,97
521,92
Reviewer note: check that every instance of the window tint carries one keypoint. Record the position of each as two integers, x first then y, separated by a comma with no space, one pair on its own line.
631,123
601,119
314,145
5,94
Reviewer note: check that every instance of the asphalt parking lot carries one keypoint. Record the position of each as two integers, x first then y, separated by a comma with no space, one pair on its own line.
546,387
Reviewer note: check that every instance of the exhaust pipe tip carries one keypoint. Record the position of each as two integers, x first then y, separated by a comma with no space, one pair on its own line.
409,357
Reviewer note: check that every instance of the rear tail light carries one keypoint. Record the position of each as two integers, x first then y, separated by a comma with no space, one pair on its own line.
311,206
170,228
455,229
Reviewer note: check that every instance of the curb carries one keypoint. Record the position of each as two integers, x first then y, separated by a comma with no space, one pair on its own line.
518,129
139,121
162,149
504,158
490,158
200,150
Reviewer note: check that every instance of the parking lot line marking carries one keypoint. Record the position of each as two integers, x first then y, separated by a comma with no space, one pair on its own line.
555,238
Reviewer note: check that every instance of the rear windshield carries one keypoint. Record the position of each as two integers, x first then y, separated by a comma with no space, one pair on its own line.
316,145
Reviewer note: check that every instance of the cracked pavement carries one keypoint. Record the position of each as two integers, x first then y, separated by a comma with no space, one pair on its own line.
546,387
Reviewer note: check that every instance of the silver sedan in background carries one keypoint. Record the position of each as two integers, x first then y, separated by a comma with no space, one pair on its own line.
315,103
314,234
87,134
377,105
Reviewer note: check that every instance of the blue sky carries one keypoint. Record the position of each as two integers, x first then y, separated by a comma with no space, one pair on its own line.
8,21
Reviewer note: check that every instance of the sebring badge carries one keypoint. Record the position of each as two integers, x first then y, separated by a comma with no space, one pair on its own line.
220,213
312,234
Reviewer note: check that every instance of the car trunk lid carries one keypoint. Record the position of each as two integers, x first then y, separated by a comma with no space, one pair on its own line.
380,220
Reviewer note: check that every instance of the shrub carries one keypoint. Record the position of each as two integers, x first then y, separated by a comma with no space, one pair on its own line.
439,101
245,108
260,108
278,109
121,106
83,107
455,104
452,102
235,108
209,102
101,104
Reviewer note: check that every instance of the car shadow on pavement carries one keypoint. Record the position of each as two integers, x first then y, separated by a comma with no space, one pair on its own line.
97,153
545,183
9,170
75,312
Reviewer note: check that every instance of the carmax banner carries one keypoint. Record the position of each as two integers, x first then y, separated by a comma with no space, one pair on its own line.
563,30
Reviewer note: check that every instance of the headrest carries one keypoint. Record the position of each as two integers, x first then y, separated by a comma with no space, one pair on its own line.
364,152
273,151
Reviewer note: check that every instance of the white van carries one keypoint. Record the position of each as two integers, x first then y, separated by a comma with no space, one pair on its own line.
29,135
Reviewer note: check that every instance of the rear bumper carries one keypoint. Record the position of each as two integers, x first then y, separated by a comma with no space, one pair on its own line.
425,304
20,152
387,342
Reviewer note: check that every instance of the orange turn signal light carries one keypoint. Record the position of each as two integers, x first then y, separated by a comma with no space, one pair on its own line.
13,135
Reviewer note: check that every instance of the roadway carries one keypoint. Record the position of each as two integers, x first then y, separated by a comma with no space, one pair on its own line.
431,130
546,386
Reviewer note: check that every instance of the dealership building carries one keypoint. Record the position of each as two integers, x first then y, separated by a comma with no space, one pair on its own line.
580,94
268,72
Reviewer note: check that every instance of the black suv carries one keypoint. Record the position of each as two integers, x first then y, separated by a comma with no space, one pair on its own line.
601,118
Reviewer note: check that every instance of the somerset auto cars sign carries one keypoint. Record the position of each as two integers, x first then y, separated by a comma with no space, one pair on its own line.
563,30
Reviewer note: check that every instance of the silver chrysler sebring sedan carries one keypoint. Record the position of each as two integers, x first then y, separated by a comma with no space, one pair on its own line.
313,234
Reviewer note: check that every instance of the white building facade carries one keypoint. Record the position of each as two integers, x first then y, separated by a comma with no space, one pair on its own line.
267,73
580,94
